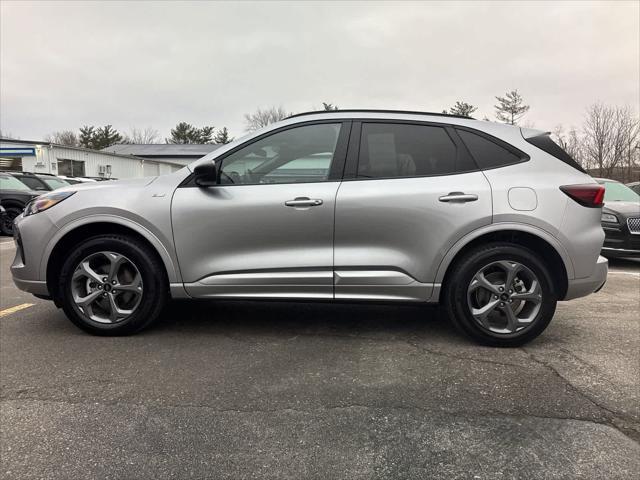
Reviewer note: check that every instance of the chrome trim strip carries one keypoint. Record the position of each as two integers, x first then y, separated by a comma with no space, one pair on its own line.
620,250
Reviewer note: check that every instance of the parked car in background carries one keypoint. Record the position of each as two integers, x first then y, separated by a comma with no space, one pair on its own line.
76,180
635,186
494,222
14,196
620,220
40,181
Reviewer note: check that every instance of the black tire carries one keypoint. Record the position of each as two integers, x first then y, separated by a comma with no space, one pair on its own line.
463,272
151,268
7,219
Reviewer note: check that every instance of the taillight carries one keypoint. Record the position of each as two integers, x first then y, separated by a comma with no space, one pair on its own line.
590,195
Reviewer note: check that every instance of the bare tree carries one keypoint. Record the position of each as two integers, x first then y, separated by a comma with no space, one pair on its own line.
599,138
261,118
626,138
63,137
571,143
142,137
511,108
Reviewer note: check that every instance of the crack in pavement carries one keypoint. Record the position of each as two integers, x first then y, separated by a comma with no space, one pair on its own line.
324,408
614,419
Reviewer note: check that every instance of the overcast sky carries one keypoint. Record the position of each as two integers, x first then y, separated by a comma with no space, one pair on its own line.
63,65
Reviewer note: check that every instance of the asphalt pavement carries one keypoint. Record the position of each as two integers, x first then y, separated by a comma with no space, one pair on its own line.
301,390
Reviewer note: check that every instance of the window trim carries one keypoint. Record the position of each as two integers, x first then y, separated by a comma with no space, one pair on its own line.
353,155
335,171
501,143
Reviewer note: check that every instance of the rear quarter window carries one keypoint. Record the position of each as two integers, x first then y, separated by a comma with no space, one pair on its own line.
488,153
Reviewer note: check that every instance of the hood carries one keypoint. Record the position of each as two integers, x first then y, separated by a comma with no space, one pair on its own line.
626,209
109,184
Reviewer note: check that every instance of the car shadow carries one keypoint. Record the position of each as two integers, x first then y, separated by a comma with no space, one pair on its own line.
265,318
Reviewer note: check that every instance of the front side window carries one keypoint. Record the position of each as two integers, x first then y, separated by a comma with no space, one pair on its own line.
390,150
296,155
33,183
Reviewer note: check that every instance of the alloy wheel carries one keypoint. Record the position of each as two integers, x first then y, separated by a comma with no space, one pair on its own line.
106,287
504,297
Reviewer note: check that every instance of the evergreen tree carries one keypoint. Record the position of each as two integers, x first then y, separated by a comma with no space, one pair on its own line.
105,137
462,108
222,136
510,108
87,134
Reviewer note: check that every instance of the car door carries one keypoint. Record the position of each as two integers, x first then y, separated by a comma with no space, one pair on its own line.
411,190
266,230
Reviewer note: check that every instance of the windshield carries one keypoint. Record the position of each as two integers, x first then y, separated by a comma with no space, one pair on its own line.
54,183
617,192
11,183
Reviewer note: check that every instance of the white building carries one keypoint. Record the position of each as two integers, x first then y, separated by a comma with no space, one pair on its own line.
164,154
45,157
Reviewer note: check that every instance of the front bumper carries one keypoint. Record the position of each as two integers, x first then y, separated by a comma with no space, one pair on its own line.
30,235
619,241
581,287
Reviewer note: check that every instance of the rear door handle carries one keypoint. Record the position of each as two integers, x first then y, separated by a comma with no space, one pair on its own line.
303,202
459,197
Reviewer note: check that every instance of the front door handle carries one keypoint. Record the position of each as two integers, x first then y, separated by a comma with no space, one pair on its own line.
459,197
303,202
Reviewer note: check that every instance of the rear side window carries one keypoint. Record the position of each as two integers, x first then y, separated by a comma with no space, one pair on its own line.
394,150
544,142
488,154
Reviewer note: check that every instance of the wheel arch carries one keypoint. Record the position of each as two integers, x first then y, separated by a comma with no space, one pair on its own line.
76,231
541,242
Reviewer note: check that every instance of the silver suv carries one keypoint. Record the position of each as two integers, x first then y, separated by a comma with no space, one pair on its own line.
494,222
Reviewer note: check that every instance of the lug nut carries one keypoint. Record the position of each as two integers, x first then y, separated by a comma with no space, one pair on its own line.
502,304
99,287
104,279
495,296
510,291
511,300
104,294
501,289
113,282
115,291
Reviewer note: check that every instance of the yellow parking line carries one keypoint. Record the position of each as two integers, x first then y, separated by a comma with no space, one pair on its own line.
17,308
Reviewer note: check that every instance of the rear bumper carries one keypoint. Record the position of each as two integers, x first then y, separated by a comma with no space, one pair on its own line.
580,287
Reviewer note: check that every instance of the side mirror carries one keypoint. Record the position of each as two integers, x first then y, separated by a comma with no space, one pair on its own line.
206,175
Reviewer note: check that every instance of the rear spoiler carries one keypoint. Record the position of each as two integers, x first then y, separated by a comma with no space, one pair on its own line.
532,132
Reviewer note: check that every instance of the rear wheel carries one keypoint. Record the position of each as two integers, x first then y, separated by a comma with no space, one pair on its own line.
112,285
501,294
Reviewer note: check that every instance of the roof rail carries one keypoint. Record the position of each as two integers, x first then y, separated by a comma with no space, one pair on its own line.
316,112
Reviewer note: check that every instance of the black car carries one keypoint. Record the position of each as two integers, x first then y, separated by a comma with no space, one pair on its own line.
41,182
14,195
620,220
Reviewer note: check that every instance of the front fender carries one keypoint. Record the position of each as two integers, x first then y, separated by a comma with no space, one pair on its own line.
169,260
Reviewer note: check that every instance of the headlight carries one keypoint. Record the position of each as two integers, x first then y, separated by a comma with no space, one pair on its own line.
43,202
609,218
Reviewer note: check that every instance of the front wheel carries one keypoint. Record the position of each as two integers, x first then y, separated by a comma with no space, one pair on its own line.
7,219
112,285
500,294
